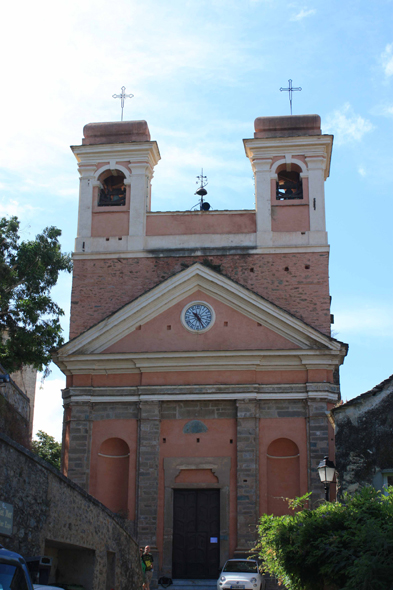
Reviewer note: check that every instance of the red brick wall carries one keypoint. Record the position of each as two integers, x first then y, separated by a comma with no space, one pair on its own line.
101,287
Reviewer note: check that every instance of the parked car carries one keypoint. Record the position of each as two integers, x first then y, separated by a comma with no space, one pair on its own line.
241,574
14,574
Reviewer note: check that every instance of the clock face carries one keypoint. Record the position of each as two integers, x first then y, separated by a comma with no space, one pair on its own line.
198,317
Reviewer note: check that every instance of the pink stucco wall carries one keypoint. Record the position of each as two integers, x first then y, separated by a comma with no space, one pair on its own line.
197,222
213,443
166,332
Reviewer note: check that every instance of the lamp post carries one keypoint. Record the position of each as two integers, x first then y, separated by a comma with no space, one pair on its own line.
327,471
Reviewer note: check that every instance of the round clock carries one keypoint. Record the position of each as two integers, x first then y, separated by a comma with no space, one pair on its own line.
198,317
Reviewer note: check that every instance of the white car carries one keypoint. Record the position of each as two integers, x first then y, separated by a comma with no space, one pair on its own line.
241,574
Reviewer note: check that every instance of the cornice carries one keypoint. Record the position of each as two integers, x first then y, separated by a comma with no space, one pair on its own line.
309,146
309,391
239,360
199,251
90,154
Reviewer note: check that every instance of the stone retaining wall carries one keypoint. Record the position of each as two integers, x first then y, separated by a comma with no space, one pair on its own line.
54,516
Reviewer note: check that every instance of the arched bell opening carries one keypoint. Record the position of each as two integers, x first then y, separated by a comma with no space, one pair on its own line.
289,186
112,190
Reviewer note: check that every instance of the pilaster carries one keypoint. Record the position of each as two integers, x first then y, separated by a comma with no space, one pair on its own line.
318,434
138,205
263,207
87,180
316,182
148,463
80,445
247,475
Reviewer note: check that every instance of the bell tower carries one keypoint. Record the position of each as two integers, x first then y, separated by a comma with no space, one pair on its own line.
290,159
116,163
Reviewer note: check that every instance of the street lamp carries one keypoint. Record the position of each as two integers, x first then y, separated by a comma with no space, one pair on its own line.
327,471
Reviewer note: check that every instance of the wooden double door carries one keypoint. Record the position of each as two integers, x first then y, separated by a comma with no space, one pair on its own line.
196,534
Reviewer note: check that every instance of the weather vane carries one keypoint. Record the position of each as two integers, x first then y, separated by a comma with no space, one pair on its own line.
202,192
122,96
290,90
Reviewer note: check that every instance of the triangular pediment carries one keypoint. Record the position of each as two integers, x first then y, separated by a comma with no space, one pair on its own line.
111,334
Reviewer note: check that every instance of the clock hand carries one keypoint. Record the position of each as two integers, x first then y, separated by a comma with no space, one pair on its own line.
198,318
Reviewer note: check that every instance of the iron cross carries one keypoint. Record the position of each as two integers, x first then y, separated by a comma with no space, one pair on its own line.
122,96
290,90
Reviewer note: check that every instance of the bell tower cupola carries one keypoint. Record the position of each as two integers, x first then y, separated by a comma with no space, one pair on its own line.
116,163
290,159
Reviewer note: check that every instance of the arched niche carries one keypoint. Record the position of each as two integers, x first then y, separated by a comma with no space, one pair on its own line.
283,475
112,475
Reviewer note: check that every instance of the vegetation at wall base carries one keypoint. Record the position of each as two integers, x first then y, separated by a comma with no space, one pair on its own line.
47,448
345,545
29,319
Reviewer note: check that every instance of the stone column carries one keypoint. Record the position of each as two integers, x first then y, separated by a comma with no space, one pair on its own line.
247,475
148,463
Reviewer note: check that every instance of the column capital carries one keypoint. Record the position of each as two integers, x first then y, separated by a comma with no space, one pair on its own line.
261,165
316,162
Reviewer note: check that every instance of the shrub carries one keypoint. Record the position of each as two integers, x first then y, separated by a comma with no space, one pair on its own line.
346,545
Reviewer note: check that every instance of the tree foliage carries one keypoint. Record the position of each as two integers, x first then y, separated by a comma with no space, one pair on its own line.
47,448
344,545
29,319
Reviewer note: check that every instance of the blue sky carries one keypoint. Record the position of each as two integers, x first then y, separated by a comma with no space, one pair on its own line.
201,72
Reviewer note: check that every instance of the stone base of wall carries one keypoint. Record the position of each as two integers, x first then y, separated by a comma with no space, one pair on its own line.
88,544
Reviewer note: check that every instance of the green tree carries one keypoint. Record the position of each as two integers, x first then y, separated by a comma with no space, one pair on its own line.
344,545
29,319
47,448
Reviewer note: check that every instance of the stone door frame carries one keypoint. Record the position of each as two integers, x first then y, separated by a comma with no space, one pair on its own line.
221,467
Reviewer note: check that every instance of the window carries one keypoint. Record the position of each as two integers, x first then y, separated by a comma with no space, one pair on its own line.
289,186
113,191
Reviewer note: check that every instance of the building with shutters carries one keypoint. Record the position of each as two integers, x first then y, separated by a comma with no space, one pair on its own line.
201,368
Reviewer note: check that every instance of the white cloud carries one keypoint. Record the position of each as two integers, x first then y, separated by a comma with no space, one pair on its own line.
387,60
362,171
384,110
303,13
48,410
365,321
10,208
346,125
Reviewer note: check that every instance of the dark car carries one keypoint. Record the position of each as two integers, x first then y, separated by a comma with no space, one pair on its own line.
14,574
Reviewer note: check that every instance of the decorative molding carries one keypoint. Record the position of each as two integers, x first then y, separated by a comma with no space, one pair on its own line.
309,146
241,360
95,254
293,160
325,391
112,166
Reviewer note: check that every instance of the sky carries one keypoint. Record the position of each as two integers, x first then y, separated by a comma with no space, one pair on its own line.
200,73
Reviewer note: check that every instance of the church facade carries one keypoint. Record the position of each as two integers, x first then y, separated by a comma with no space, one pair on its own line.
200,367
